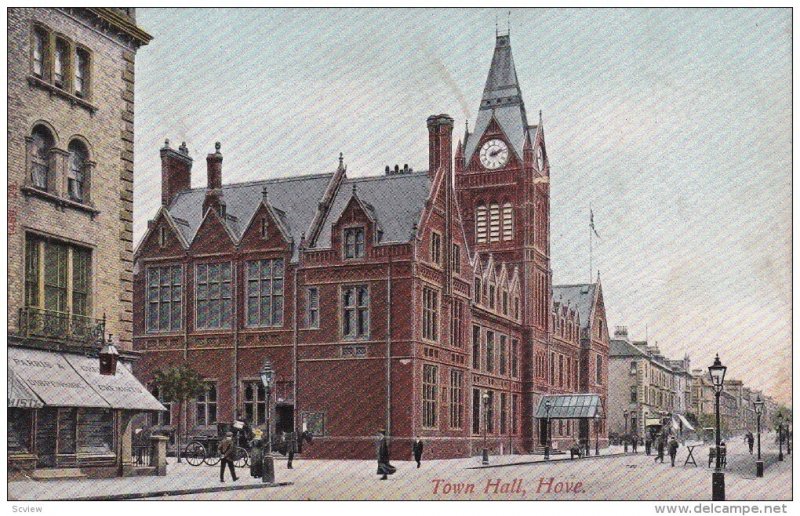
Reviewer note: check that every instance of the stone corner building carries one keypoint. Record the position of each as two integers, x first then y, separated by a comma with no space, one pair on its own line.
70,256
416,301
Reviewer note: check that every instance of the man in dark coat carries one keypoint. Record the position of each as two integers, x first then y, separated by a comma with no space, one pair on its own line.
648,442
673,449
417,449
227,449
290,439
659,449
384,468
750,439
635,442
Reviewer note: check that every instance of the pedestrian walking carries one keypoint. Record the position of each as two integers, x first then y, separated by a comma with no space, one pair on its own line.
227,449
417,449
749,439
574,450
659,449
648,443
673,449
290,439
635,442
384,468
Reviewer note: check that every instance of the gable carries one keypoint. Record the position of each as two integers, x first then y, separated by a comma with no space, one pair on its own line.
252,237
151,244
212,236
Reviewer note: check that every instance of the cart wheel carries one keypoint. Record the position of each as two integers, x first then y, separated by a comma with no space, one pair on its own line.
212,460
242,458
194,452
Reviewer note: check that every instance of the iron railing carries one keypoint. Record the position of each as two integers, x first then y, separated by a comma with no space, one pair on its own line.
60,326
142,455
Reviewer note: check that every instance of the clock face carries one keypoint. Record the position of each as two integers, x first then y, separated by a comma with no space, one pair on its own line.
540,158
494,154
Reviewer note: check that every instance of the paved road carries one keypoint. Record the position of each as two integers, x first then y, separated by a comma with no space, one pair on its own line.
632,477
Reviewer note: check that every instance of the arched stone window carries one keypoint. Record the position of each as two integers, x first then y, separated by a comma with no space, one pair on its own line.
41,144
76,176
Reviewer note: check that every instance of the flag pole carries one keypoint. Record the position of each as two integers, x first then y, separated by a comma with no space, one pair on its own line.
590,243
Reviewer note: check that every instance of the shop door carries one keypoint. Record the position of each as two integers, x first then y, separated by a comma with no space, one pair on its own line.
284,418
542,432
46,436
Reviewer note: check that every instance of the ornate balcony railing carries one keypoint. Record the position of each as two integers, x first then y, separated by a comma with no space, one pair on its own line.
60,326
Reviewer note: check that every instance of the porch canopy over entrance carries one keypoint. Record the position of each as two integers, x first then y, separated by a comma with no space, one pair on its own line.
570,406
72,380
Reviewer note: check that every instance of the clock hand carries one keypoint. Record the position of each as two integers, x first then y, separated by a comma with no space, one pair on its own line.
495,153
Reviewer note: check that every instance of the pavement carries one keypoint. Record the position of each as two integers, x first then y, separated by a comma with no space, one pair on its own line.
612,476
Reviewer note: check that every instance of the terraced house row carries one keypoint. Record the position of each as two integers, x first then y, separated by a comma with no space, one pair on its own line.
416,301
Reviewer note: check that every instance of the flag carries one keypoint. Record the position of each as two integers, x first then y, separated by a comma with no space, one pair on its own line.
591,222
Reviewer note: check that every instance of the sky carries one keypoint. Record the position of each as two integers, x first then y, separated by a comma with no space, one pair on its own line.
673,125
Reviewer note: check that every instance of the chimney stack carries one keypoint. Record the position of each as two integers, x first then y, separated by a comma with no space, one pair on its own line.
440,143
176,172
214,191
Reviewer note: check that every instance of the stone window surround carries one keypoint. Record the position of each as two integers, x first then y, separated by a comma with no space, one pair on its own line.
58,174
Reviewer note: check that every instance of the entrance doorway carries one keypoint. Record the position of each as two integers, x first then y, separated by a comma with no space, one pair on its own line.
284,418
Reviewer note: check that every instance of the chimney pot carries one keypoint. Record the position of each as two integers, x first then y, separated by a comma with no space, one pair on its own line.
176,172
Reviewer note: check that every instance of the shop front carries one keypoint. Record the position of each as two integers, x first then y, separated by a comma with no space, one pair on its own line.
64,415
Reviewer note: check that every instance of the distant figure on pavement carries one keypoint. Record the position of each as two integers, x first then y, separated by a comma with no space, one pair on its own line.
648,442
417,449
749,439
384,468
673,449
659,448
574,450
635,442
291,447
227,449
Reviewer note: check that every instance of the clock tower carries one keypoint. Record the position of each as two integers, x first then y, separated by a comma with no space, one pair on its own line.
502,183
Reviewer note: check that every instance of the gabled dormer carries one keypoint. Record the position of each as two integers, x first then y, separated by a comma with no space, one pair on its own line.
162,238
268,228
356,230
213,236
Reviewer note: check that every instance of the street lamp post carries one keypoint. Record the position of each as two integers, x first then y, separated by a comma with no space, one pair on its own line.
717,373
547,407
597,434
758,404
625,434
267,462
485,460
780,436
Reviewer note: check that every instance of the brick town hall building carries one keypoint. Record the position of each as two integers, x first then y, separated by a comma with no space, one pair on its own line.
416,301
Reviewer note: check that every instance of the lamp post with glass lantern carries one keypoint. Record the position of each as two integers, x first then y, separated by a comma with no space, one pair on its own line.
717,373
758,404
268,464
597,433
485,460
780,436
547,407
625,434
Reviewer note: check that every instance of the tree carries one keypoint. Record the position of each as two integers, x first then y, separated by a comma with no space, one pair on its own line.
178,384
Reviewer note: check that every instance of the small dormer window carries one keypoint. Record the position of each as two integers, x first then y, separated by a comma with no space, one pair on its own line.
162,237
264,228
353,243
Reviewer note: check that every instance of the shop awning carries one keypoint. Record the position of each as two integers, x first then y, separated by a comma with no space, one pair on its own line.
653,421
71,380
19,394
686,423
570,406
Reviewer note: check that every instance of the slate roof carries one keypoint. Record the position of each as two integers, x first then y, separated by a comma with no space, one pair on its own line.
570,406
622,348
295,199
502,98
394,201
580,297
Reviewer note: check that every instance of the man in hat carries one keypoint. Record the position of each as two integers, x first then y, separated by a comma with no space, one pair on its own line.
227,449
384,468
417,450
673,449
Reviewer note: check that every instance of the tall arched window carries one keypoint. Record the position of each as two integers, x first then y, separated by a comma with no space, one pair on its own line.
508,222
481,224
42,142
76,179
494,222
61,63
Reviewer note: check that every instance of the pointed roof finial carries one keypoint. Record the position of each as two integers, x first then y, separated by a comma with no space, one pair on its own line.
341,161
540,117
264,194
355,188
217,146
508,25
496,29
